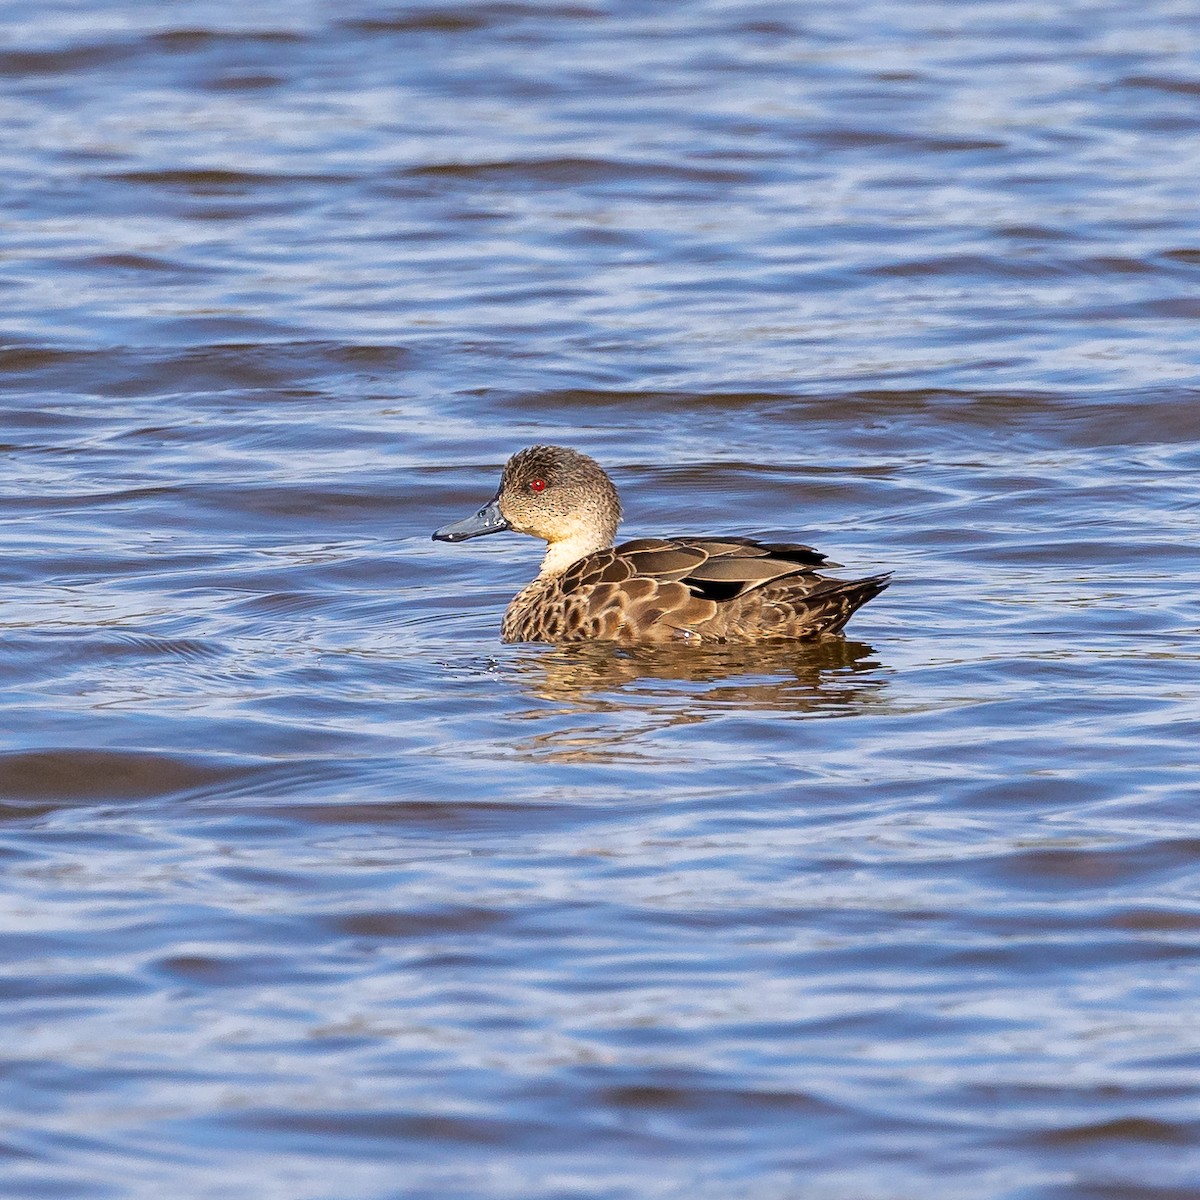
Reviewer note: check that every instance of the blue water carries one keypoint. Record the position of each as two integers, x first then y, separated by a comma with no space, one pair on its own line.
313,889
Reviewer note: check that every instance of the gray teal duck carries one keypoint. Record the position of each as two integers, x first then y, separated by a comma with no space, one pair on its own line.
670,589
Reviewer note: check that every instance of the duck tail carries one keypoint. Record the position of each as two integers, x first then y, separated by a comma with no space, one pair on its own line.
834,603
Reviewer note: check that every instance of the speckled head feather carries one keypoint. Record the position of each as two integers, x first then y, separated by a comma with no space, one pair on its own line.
560,495
689,589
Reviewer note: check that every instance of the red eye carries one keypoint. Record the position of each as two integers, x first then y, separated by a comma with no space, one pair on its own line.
537,485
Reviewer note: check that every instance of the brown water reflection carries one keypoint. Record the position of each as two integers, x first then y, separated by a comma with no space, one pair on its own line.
653,689
823,677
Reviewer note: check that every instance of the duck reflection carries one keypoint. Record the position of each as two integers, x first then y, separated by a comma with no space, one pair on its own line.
649,688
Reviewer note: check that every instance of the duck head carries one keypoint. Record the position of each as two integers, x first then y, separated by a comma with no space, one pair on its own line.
553,493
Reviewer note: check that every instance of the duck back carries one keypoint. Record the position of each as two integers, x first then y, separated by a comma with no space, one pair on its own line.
690,589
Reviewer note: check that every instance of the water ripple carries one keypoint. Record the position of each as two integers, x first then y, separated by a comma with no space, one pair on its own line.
302,861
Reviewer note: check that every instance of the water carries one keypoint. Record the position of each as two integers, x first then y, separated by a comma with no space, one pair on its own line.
313,889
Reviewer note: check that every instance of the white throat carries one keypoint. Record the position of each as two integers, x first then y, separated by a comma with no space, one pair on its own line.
561,554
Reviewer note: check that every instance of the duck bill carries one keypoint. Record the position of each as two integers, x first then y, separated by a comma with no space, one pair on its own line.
486,520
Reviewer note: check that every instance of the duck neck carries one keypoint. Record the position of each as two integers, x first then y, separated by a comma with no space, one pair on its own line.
562,553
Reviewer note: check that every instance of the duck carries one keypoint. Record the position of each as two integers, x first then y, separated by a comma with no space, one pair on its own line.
690,590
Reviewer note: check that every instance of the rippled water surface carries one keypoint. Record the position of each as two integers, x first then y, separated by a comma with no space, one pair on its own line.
312,889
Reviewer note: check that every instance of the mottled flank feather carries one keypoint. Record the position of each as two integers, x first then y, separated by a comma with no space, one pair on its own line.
688,589
679,589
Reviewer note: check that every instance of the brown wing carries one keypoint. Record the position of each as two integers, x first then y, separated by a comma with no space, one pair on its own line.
720,568
754,590
717,547
665,589
696,577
